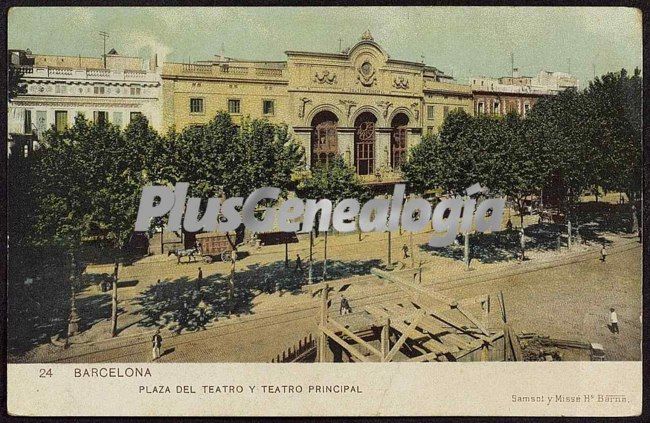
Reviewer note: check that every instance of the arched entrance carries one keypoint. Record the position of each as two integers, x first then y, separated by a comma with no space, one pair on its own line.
398,140
324,141
364,143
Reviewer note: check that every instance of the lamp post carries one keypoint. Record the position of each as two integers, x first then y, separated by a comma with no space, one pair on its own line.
73,319
311,246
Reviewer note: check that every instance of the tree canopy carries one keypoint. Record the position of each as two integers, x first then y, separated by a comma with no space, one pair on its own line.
569,142
335,181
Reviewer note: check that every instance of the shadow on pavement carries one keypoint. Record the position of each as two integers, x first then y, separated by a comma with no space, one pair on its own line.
189,304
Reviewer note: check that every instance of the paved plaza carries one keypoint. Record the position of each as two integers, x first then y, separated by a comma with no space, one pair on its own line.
563,294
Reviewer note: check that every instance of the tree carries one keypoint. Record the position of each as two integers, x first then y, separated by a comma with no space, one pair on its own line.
335,182
615,108
561,126
219,156
528,162
89,181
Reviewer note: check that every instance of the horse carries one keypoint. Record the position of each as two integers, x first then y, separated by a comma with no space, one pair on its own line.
189,253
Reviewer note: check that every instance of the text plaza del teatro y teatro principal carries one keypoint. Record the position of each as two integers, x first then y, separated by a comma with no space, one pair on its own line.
360,103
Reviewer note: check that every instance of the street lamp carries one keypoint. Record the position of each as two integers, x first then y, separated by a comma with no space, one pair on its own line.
73,319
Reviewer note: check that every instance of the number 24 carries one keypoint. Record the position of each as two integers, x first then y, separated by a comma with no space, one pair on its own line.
44,372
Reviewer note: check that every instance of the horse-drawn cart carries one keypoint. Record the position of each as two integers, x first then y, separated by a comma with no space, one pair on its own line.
213,244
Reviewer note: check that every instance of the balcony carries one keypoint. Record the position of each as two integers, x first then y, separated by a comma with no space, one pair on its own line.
30,72
224,70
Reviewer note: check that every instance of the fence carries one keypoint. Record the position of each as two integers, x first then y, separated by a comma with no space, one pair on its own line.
306,347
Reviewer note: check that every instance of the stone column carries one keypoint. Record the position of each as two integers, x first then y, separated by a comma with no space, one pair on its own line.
382,149
345,139
304,139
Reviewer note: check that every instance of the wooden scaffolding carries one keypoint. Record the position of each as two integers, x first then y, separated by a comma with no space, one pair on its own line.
423,325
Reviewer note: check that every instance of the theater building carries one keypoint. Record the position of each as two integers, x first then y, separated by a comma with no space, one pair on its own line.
359,104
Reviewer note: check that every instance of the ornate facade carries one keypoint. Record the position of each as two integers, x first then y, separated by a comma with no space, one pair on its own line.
359,104
60,87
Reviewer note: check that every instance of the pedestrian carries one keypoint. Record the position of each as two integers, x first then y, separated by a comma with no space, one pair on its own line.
603,254
522,242
345,306
156,342
200,278
613,320
509,224
406,251
298,263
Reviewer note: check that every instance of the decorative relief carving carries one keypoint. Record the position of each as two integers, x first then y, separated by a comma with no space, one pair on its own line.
366,74
401,83
416,110
385,105
326,77
349,105
303,105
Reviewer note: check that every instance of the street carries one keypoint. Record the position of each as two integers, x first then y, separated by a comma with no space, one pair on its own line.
567,299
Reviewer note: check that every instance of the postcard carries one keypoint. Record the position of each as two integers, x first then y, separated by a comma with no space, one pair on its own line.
324,211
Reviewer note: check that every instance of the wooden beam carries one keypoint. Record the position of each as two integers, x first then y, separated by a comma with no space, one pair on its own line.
352,335
413,287
344,344
425,357
473,300
473,319
405,335
322,339
489,339
514,344
385,339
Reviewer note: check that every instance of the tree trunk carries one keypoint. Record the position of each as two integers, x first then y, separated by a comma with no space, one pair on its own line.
412,251
325,258
231,291
114,304
635,221
390,259
310,279
286,254
466,250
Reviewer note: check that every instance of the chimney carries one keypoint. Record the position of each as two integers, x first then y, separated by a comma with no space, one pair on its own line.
153,63
515,72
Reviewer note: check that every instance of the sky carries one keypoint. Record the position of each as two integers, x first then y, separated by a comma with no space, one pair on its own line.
462,41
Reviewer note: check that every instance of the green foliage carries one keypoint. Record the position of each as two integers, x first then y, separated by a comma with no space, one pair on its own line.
335,182
614,103
91,177
569,142
492,151
220,158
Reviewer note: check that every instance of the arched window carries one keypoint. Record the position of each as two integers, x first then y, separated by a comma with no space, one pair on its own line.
324,141
364,143
398,140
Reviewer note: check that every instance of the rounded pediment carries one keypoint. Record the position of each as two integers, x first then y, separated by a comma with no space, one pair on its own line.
367,47
367,57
